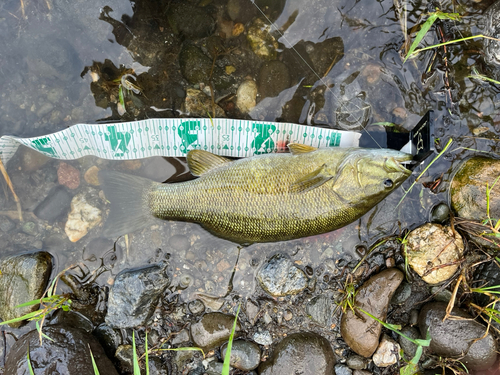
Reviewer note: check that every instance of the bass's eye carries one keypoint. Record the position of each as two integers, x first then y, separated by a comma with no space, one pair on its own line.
388,183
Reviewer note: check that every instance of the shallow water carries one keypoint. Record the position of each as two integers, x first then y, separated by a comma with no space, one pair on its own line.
53,55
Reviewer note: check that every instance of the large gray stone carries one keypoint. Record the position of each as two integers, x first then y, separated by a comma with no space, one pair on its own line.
304,353
24,278
457,338
134,296
280,277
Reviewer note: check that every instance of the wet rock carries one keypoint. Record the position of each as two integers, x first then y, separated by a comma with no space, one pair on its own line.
68,176
492,47
241,10
326,54
181,337
457,338
468,188
212,330
409,348
280,277
320,310
302,353
55,206
374,296
402,293
91,176
246,96
6,225
158,367
24,278
440,213
68,353
361,372
84,215
214,368
357,362
342,370
263,338
72,319
32,160
431,247
190,21
134,295
109,338
30,228
196,307
197,103
387,352
196,67
245,355
274,77
261,41
125,357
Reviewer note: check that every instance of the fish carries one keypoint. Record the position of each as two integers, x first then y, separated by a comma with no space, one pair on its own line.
263,198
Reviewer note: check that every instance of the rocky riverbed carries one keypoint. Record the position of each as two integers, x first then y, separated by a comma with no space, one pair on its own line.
365,299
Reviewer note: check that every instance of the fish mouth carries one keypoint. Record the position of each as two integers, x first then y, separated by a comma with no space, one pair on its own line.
401,163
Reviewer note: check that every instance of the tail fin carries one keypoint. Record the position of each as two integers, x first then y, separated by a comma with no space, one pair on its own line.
129,209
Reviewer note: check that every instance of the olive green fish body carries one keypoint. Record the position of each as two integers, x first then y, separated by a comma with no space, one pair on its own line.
277,196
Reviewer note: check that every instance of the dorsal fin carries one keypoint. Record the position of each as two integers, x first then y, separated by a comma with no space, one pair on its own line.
299,148
200,162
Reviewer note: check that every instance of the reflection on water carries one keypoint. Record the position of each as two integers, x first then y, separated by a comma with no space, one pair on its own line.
339,65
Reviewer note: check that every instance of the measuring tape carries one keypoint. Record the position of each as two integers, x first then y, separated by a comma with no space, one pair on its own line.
175,137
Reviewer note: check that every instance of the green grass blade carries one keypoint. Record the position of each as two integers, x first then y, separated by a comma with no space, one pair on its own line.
120,96
423,30
29,303
137,369
94,365
227,359
29,362
31,315
146,354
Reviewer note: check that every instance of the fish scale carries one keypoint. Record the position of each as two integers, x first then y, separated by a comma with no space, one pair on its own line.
270,197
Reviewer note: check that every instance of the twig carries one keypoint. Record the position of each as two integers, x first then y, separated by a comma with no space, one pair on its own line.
451,42
22,9
11,187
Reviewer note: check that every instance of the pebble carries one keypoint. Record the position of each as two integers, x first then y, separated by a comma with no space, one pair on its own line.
32,160
252,310
300,353
246,96
440,213
431,247
245,355
134,296
261,41
274,77
196,307
263,338
68,176
197,103
24,278
373,296
124,355
342,370
67,353
387,352
280,277
409,348
451,338
357,362
30,228
402,293
109,338
91,176
212,330
361,372
84,215
6,225
55,206
320,310
181,337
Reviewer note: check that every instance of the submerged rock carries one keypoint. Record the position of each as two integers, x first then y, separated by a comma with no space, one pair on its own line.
274,77
67,353
134,296
245,355
212,330
55,206
68,176
85,214
300,353
280,277
434,252
492,47
24,278
246,96
261,41
190,21
373,296
198,103
457,338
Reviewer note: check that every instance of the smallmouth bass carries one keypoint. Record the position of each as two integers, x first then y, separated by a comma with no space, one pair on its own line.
264,198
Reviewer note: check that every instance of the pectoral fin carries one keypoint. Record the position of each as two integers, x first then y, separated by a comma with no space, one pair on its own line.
298,148
200,162
311,180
